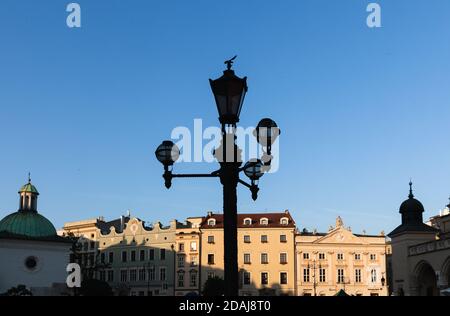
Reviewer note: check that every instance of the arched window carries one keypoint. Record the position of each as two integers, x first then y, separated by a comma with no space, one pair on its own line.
284,221
27,202
247,221
33,203
264,221
211,222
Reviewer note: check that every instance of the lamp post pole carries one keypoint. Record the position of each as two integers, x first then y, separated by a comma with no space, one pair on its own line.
229,92
229,179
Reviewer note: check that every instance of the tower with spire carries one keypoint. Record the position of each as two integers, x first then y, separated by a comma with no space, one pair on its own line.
28,197
411,231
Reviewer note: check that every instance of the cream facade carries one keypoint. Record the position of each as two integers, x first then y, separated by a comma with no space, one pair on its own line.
188,264
266,253
341,260
139,260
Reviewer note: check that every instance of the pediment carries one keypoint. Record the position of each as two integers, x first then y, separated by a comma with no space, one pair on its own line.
339,236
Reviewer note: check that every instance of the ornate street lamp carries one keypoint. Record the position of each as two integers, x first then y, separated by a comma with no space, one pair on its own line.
229,93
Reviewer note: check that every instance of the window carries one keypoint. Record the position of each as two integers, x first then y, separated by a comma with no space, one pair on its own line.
92,245
264,278
193,279
284,221
373,257
283,277
181,279
247,239
151,274
340,276
340,256
194,261
181,247
247,221
210,258
181,260
247,258
247,278
357,256
210,239
111,257
162,254
124,256
193,246
151,254
264,221
102,258
322,275
321,256
263,238
283,258
358,276
211,275
305,256
264,258
142,255
123,275
133,255
142,275
133,275
373,276
110,276
162,274
283,238
211,222
306,275
102,276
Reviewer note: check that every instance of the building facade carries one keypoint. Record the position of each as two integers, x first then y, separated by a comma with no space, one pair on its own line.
139,260
188,260
340,260
421,252
265,252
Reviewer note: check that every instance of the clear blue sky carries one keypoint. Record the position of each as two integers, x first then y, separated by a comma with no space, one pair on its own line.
361,110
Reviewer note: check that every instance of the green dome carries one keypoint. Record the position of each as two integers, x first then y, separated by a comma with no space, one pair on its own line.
29,188
29,224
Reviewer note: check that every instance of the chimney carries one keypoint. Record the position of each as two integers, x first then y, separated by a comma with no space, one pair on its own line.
210,213
122,222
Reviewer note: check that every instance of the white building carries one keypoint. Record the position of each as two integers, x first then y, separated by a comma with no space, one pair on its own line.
31,252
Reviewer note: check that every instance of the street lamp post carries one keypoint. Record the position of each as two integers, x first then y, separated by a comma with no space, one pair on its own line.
314,275
229,93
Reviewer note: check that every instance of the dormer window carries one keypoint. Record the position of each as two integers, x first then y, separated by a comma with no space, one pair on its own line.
247,221
211,222
284,221
264,221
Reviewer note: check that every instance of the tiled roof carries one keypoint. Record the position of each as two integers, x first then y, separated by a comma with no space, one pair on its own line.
273,220
105,227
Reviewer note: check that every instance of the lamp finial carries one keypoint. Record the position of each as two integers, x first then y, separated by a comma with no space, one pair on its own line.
230,62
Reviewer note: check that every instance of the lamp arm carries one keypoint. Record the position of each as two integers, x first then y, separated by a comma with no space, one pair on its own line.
245,183
196,175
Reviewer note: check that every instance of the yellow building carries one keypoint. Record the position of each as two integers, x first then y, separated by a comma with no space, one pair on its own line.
188,265
266,253
340,260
